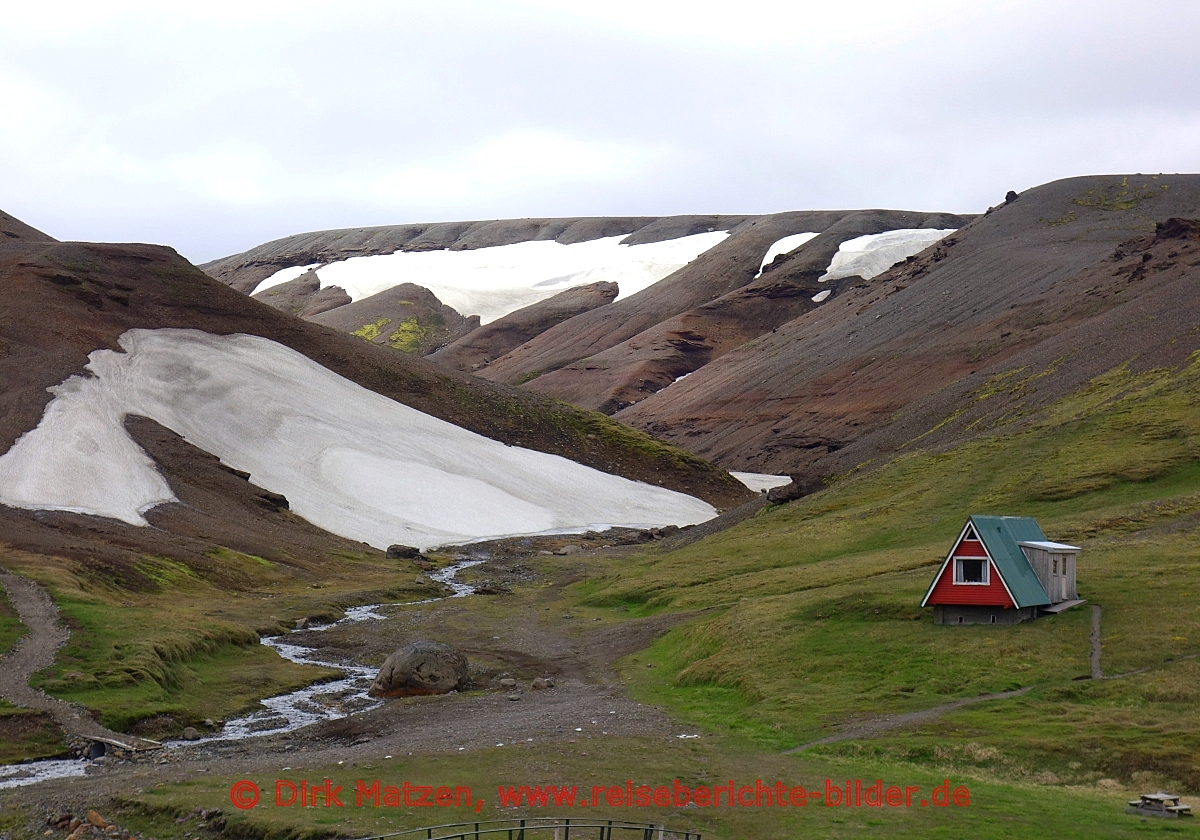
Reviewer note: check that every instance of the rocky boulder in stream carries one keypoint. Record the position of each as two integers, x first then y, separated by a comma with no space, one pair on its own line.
422,667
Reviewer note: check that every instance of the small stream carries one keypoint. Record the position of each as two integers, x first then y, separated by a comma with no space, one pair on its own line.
328,700
286,712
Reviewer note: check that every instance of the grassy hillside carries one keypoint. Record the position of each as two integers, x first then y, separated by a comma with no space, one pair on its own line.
159,657
816,620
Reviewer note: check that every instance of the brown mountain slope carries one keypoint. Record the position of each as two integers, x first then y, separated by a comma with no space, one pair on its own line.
483,344
654,358
68,299
304,297
12,228
728,266
1027,295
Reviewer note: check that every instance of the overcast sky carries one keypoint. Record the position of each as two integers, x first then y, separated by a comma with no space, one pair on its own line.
221,125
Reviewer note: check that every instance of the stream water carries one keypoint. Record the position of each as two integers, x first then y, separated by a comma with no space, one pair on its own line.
286,712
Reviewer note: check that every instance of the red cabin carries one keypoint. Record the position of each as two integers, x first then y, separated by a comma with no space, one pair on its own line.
1002,570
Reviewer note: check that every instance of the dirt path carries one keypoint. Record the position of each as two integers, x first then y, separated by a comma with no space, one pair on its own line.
1097,674
35,651
876,726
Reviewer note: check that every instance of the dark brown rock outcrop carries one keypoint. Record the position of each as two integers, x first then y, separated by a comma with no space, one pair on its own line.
491,341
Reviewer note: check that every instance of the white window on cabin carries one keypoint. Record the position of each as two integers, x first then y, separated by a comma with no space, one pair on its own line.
971,570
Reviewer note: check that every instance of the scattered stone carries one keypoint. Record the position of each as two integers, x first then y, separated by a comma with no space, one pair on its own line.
209,723
75,823
568,615
96,820
1011,196
402,552
568,550
420,668
419,580
508,682
301,623
514,697
541,683
191,733
544,553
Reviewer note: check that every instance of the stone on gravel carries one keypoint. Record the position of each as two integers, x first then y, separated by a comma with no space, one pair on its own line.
514,697
568,550
191,734
508,682
96,820
420,668
402,552
543,683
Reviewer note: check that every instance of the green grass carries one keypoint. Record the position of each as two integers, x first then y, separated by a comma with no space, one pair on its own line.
183,646
130,664
996,809
815,620
11,628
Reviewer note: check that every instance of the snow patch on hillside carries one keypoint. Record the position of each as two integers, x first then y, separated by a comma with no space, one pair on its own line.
761,481
492,282
784,246
349,460
871,255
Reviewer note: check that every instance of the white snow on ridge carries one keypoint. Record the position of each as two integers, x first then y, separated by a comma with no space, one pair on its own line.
784,246
871,255
492,282
349,460
761,481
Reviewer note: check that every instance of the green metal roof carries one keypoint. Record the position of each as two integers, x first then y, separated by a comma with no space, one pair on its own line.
1000,535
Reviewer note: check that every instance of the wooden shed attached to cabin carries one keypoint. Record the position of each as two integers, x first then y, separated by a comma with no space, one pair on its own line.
1002,570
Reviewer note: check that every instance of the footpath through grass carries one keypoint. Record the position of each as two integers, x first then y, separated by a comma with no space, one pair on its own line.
23,733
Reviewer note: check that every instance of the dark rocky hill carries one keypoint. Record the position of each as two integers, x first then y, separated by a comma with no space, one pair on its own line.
1024,304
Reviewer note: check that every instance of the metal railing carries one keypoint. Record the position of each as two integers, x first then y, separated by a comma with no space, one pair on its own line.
543,828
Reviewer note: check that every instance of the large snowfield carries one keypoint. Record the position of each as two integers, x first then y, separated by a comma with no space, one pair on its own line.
871,255
492,282
349,460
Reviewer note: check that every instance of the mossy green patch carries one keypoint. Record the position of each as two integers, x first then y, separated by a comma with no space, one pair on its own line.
370,332
409,337
1118,196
